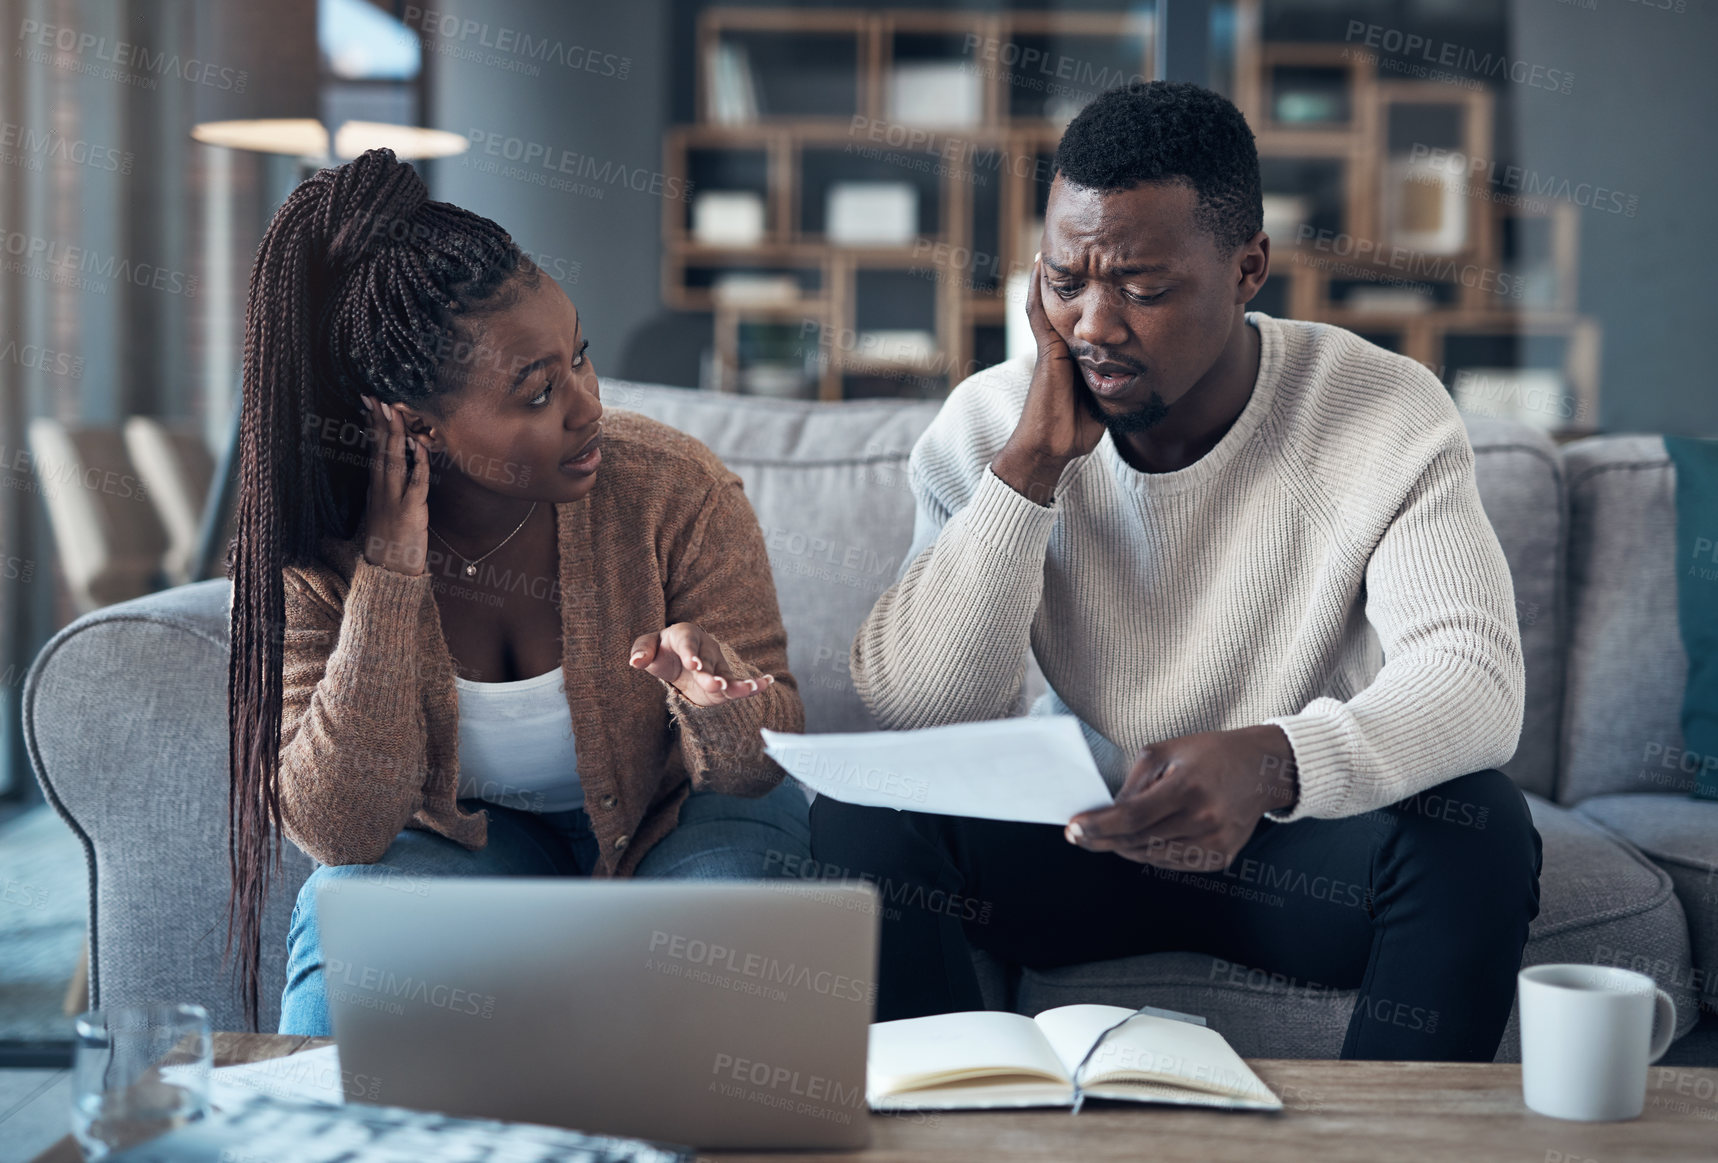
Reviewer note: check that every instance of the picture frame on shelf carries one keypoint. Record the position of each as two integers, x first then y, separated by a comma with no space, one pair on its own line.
1425,205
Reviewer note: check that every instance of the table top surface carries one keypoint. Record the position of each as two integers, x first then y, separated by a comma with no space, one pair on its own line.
1334,1112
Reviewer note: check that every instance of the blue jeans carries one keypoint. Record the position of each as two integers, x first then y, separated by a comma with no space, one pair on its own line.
718,837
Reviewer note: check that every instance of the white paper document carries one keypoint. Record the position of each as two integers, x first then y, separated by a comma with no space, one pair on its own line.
311,1076
1035,769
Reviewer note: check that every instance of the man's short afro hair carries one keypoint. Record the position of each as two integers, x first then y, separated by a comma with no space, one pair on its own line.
1168,131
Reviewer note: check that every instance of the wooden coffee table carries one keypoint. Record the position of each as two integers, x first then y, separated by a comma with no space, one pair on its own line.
1336,1112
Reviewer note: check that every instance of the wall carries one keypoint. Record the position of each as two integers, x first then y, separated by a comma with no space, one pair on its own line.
106,216
565,105
1639,120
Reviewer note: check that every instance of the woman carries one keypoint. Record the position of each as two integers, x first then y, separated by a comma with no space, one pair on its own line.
479,627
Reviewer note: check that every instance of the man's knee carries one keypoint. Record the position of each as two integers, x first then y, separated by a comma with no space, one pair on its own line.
1480,819
870,837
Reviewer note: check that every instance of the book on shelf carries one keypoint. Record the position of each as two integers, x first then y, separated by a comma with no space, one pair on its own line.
987,1059
732,97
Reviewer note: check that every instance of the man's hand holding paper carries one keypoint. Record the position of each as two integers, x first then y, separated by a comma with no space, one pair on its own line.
1192,802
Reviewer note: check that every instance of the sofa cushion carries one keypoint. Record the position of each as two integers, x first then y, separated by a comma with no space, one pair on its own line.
1681,836
828,482
1626,668
1695,466
124,715
1597,895
1520,480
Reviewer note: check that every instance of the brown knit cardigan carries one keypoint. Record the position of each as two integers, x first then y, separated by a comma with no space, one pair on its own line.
370,717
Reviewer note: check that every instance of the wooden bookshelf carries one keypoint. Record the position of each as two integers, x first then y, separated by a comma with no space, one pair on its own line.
987,170
981,187
1313,275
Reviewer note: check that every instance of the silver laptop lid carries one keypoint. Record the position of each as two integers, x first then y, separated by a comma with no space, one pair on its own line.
711,1013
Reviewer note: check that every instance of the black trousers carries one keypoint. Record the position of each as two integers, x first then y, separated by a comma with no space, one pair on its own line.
1423,906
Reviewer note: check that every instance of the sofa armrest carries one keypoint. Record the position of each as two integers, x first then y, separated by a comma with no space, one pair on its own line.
125,719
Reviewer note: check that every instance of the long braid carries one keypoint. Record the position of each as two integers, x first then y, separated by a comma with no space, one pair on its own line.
359,288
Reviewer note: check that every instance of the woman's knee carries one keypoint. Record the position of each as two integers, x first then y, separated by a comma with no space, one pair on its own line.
783,806
303,936
326,878
723,837
517,843
776,822
326,874
414,853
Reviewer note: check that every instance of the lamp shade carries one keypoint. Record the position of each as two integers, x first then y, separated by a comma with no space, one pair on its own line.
307,137
298,136
407,141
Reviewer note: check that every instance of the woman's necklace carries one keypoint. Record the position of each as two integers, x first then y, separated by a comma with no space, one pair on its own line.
471,563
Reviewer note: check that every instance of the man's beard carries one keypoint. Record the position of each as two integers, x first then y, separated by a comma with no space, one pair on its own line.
1147,415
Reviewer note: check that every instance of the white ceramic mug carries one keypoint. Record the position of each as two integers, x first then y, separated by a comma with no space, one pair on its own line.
1587,1037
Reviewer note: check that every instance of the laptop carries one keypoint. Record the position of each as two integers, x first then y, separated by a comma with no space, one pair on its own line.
718,1014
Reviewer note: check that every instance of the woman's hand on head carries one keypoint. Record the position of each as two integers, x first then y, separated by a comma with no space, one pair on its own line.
396,518
690,660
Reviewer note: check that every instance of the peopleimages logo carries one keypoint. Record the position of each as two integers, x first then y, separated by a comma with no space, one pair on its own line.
1444,53
122,60
512,42
1406,263
64,262
541,162
771,970
43,359
19,470
1015,61
54,145
385,986
1528,184
873,779
785,1088
1483,395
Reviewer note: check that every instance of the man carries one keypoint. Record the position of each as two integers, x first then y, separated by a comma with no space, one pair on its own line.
1249,555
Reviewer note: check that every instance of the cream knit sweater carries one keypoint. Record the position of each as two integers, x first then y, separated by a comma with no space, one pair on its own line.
1327,567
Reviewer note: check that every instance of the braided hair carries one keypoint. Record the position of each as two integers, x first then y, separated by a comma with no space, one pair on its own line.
360,287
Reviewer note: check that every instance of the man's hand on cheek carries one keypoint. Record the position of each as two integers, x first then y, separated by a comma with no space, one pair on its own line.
1056,423
1193,802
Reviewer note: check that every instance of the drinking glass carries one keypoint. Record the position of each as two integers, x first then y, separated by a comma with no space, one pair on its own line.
138,1071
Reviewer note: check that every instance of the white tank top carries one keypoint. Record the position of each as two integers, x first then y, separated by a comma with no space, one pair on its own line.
516,743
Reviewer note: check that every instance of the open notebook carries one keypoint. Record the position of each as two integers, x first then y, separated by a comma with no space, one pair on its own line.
992,1059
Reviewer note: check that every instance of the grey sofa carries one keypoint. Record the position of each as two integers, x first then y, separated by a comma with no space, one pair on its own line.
125,716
